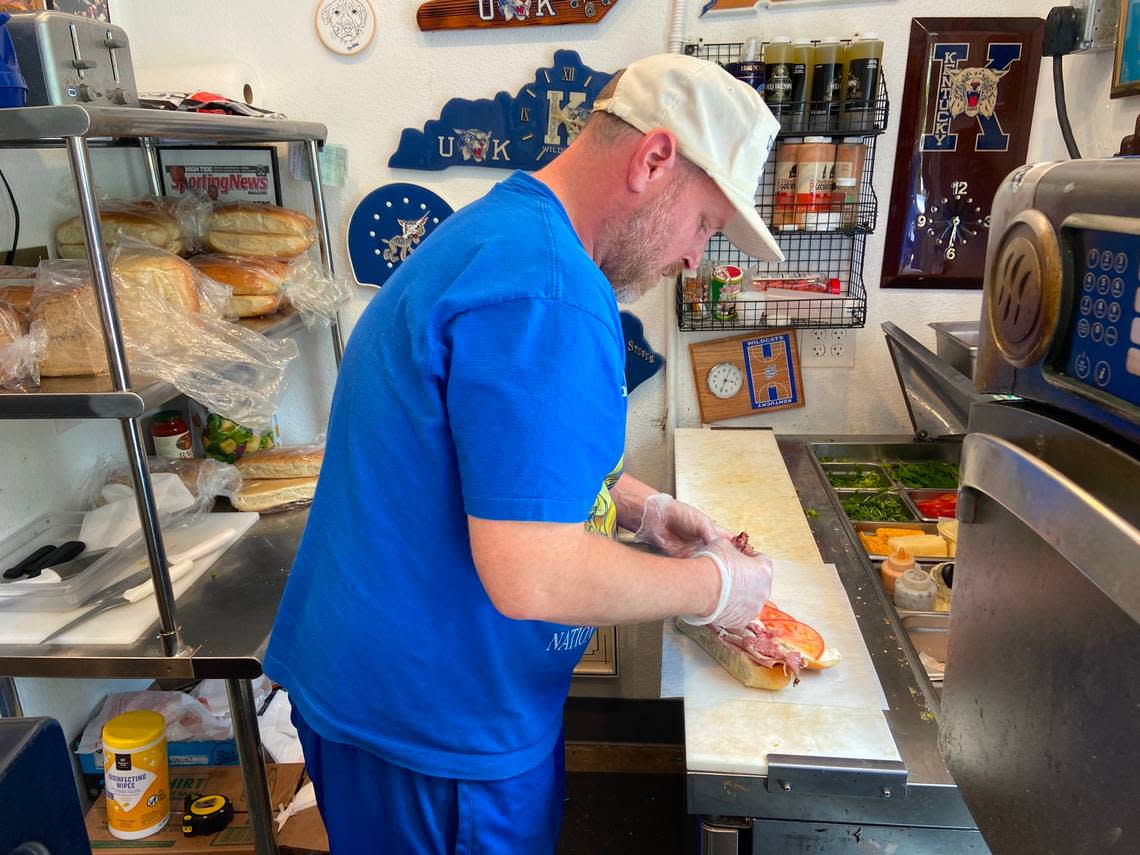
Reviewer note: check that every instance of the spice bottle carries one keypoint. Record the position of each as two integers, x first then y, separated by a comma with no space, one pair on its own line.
864,60
828,78
778,77
894,567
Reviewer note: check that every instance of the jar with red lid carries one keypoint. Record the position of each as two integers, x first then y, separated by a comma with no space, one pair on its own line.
171,435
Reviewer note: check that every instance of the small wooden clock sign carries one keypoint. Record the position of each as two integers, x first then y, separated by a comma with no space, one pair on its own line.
747,374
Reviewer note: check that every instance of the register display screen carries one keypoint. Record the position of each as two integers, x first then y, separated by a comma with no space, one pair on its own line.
1104,335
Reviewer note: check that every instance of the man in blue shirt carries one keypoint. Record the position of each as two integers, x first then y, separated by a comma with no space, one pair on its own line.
451,570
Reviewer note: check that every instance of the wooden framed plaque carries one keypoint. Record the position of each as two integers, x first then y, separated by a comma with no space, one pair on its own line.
747,374
966,113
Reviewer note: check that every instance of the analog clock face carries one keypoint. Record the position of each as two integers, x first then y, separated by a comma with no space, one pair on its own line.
953,221
725,380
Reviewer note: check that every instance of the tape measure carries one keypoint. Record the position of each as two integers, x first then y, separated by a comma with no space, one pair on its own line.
206,814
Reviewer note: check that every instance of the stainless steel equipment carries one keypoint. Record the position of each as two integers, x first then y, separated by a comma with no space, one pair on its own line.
957,343
1039,723
69,59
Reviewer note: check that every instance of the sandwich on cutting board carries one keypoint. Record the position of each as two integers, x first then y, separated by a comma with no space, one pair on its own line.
771,651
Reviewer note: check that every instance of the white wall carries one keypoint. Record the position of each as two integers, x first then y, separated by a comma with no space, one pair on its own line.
402,80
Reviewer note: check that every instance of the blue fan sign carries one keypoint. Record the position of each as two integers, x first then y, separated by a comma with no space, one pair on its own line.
387,227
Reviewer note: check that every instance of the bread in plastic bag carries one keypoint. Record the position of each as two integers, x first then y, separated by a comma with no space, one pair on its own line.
206,479
284,461
264,231
230,369
314,294
20,345
172,223
256,284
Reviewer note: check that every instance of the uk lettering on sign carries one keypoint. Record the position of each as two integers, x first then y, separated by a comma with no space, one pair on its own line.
484,14
525,131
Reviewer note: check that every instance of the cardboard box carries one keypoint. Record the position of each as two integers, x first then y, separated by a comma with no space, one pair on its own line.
235,839
221,752
304,833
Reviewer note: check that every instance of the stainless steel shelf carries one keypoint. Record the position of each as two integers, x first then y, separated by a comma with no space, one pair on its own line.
94,397
34,124
226,617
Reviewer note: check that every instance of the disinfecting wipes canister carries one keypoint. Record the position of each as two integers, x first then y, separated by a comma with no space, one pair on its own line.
136,775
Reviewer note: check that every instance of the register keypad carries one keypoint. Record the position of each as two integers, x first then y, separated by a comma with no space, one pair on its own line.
1104,345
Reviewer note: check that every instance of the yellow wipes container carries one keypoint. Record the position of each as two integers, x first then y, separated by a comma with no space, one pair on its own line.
136,774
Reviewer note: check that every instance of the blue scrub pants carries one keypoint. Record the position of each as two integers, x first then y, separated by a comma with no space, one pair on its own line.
372,806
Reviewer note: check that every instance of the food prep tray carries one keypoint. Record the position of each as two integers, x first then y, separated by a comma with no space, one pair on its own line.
917,527
847,476
885,496
42,595
913,497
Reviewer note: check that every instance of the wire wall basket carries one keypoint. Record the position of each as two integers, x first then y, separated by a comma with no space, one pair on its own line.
822,233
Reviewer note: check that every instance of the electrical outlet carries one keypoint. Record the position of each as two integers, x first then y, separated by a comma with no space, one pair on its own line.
827,348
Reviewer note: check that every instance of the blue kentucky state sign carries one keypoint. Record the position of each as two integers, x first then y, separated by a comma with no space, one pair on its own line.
641,360
526,131
971,92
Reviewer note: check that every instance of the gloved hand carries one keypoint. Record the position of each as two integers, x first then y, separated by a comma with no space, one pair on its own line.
745,585
674,528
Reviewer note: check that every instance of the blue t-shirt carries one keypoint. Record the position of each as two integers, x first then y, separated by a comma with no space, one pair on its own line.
486,378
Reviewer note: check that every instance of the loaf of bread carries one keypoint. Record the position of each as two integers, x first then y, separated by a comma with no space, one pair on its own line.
12,324
70,313
259,230
19,297
269,493
256,283
148,223
282,462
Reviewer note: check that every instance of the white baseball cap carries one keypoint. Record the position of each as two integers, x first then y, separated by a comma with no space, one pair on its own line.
721,124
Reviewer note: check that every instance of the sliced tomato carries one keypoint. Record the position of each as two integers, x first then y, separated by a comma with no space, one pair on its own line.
770,612
798,635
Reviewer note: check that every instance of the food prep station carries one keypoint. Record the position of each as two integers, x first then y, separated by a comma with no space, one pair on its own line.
862,777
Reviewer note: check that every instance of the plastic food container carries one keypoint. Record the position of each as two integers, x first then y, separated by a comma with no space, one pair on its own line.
70,592
915,590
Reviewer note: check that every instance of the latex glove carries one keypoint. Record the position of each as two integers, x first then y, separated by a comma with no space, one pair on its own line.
745,585
674,528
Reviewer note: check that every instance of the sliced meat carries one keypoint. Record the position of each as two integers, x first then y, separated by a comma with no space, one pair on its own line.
762,647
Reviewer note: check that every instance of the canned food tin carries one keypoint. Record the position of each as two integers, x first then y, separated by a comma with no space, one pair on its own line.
725,286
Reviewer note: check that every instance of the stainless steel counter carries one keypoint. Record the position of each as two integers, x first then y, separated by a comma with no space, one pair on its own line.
925,814
226,617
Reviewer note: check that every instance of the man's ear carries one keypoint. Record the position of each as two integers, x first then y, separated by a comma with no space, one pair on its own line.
653,160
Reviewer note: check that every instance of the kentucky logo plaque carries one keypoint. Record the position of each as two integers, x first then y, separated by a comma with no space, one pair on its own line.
484,14
523,132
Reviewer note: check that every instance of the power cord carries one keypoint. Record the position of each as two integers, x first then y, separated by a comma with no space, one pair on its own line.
1062,34
10,258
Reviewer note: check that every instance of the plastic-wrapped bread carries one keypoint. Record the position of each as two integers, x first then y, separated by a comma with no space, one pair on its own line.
259,230
274,493
65,303
148,224
256,283
283,462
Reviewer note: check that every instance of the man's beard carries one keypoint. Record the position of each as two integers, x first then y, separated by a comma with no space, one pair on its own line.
633,247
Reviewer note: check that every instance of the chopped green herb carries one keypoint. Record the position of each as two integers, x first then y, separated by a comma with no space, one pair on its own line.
857,478
812,513
942,476
875,507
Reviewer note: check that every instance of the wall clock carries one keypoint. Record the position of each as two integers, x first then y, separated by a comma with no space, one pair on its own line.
966,113
345,27
481,14
525,131
389,225
747,374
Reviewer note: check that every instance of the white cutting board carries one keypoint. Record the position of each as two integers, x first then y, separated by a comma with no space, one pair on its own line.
738,477
124,624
